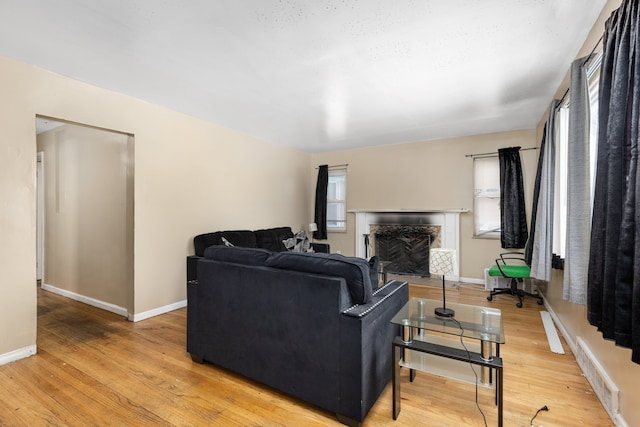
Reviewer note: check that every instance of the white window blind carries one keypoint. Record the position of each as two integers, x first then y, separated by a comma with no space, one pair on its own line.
337,200
486,209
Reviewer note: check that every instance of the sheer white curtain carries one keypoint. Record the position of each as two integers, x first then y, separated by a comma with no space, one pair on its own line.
578,191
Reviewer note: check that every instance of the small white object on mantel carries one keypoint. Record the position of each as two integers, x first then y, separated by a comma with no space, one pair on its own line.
447,219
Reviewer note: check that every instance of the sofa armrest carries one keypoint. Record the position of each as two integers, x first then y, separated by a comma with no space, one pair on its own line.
192,267
365,362
379,297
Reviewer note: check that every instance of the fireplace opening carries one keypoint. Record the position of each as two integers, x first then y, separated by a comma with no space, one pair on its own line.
404,249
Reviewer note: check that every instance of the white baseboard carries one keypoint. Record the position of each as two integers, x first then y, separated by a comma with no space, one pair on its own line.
18,354
619,421
471,280
87,300
157,311
563,331
114,308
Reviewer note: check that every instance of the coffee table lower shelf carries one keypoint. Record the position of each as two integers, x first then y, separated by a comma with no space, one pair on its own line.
423,354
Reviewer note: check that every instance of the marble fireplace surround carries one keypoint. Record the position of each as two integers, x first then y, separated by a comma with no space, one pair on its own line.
447,219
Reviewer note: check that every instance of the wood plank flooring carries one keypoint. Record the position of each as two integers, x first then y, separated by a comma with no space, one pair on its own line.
94,368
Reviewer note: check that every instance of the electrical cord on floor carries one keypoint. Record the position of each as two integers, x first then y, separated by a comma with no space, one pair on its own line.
544,408
472,368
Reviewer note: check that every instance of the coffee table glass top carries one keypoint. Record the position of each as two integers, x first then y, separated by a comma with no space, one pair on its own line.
481,323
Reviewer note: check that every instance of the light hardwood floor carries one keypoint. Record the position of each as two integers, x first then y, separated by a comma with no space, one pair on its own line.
94,368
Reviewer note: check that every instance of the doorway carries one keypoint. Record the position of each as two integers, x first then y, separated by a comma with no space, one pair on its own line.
85,205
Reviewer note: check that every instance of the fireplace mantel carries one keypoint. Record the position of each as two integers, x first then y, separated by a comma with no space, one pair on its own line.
448,219
459,211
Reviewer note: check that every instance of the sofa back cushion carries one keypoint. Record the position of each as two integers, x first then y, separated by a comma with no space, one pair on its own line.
272,238
354,270
237,254
244,238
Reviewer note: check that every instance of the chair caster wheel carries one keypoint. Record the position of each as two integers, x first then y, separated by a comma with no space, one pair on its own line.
519,305
540,301
490,297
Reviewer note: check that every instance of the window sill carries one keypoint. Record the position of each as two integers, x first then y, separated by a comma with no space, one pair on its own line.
487,237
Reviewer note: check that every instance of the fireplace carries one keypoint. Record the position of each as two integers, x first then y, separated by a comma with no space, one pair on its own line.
404,248
447,221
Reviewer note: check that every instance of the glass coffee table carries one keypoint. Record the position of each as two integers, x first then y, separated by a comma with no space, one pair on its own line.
433,344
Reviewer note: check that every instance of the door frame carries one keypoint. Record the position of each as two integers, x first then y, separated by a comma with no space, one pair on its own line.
40,216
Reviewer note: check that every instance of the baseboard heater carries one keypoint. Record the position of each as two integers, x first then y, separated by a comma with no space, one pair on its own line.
603,386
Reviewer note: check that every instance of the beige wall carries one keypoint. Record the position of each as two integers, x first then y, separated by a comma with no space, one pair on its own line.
191,176
87,249
572,318
426,175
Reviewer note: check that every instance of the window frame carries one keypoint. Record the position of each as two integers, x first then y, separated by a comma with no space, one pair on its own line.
340,202
562,141
485,191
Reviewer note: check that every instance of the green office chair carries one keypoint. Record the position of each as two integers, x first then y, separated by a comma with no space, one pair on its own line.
512,265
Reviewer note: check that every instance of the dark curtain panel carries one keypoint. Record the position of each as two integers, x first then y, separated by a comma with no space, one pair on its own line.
613,297
320,217
513,218
528,253
539,247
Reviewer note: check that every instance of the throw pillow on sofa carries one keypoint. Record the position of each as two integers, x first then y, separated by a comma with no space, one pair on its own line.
354,270
298,243
271,238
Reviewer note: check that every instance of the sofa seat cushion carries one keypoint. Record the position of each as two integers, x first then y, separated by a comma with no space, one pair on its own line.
244,238
272,238
237,254
354,270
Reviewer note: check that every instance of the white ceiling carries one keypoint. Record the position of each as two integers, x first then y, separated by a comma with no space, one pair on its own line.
317,75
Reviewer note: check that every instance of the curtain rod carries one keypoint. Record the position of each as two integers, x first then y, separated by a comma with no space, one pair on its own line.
496,153
336,166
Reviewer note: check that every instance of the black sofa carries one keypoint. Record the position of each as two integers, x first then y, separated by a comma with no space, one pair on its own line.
269,238
309,325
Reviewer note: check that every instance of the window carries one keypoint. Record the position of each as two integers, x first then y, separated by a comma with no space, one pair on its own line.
486,202
560,191
594,100
337,200
562,142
